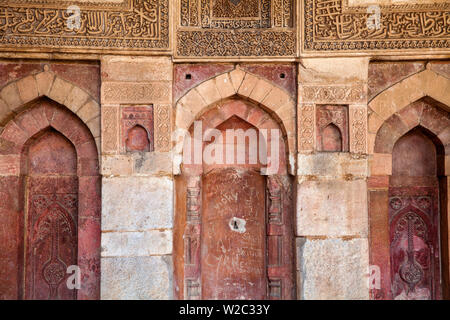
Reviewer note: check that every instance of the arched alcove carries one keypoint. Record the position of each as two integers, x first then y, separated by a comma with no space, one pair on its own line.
52,216
51,219
234,219
409,182
331,138
137,139
414,212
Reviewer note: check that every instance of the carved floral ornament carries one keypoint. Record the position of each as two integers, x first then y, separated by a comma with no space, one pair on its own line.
128,24
336,26
222,28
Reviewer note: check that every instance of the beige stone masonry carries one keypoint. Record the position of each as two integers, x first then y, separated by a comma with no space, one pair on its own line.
10,94
27,88
44,82
60,90
22,91
136,69
117,165
237,76
411,89
76,99
225,85
209,92
380,164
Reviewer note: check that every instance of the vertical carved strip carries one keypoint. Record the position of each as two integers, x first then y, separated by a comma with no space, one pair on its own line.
275,210
184,13
278,13
192,290
275,289
110,137
162,128
306,127
358,129
205,13
193,13
287,13
276,231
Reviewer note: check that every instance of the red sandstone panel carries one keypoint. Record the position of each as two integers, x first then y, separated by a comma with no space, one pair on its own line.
52,218
187,76
414,237
385,74
284,75
137,129
332,128
233,235
84,75
9,241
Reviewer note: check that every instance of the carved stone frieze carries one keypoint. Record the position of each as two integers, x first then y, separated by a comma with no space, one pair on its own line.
134,25
335,26
136,92
332,93
226,28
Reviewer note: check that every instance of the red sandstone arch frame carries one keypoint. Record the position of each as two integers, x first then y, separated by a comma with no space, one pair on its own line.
263,106
420,100
27,107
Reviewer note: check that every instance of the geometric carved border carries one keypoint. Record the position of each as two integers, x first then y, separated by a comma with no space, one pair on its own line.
135,25
229,28
358,128
136,92
306,127
344,94
333,26
163,127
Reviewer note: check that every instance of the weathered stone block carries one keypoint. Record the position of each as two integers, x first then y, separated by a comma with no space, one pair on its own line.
334,269
332,208
27,88
380,164
44,82
10,94
118,165
152,163
137,203
137,278
146,243
332,165
117,68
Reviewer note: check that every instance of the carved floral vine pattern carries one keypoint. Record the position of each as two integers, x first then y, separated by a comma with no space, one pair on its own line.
332,26
358,129
236,28
306,127
135,25
162,128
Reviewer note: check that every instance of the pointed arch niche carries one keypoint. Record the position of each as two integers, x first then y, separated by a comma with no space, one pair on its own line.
408,203
50,204
233,235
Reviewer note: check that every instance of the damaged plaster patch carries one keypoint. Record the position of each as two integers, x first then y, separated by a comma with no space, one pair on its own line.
237,225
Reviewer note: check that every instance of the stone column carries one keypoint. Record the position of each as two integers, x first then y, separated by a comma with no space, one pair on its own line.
137,188
332,215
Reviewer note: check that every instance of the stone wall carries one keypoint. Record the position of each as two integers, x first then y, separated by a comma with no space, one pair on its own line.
137,194
332,219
